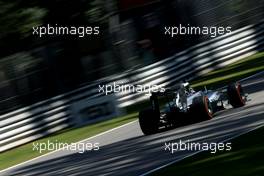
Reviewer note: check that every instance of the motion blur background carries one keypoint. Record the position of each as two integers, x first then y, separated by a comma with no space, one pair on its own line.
131,36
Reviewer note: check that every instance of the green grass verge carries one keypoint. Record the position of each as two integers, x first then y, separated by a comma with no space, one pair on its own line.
245,158
238,70
233,72
25,152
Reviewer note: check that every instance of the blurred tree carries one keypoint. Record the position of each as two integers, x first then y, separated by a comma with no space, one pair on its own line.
16,23
17,18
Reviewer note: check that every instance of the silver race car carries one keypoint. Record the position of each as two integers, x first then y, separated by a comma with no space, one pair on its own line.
182,105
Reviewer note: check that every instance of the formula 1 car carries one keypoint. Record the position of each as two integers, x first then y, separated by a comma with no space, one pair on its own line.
183,105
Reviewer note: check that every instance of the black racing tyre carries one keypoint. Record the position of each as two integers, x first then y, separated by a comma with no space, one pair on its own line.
201,108
149,121
236,95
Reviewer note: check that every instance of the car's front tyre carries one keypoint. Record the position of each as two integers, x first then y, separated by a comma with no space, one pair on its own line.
236,95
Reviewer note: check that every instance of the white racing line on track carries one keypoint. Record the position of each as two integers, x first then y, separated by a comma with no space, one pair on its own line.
100,134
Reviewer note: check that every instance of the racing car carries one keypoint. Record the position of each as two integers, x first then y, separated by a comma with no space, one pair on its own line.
182,105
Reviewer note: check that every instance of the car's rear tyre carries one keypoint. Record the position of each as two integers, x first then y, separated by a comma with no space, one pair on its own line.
236,95
201,108
149,121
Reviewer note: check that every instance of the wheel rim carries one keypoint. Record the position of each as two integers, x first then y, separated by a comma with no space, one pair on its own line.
208,108
241,93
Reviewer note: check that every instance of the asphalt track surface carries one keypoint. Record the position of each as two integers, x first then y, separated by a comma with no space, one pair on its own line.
126,151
